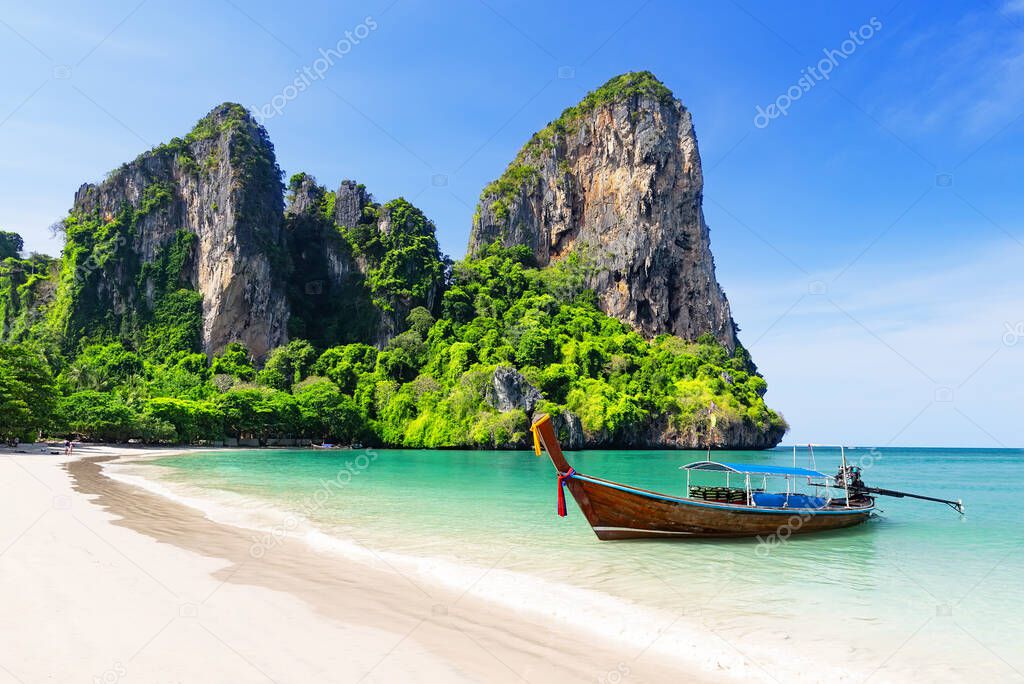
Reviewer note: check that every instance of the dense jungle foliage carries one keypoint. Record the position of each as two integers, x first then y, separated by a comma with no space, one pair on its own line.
428,387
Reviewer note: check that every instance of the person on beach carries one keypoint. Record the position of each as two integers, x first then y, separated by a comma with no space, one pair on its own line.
69,447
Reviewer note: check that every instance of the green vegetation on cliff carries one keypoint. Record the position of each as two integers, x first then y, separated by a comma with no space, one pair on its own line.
405,257
98,266
26,289
430,386
346,281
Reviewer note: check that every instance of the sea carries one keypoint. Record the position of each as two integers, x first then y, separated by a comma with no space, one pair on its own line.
918,592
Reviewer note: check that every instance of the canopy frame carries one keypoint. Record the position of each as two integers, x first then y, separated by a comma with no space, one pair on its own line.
751,469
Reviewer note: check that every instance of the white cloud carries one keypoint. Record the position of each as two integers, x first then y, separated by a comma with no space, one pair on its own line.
874,360
969,73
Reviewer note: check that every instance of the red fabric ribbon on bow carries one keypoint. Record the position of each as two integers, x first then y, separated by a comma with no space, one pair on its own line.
562,477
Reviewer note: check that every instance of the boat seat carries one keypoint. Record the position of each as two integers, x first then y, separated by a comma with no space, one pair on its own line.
719,494
788,500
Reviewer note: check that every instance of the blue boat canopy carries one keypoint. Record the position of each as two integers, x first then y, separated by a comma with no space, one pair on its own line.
751,469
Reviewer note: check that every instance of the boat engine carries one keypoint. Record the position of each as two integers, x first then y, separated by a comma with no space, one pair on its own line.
849,478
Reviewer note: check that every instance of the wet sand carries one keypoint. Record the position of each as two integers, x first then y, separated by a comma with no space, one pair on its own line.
105,580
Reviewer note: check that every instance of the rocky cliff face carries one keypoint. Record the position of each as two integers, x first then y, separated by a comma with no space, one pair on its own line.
659,433
358,267
191,247
214,200
617,179
327,293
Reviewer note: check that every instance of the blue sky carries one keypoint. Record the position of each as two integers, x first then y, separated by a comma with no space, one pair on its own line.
869,240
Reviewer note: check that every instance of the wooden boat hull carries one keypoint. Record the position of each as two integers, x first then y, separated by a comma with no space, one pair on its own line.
618,511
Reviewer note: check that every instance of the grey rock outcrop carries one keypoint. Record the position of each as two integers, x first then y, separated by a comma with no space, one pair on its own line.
350,200
569,430
510,390
305,196
618,180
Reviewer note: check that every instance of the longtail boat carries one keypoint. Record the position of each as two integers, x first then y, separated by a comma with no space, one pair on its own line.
619,511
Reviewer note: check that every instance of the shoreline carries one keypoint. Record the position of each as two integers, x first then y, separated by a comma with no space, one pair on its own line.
119,552
166,567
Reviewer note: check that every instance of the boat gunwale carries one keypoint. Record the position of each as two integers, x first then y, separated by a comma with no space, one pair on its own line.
736,508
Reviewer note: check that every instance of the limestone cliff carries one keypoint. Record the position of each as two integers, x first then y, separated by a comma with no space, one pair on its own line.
327,293
617,178
200,214
191,247
358,267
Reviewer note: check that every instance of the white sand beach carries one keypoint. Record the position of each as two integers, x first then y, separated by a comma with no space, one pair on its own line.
106,582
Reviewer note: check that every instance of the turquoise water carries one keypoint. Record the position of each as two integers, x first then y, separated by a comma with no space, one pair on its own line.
917,591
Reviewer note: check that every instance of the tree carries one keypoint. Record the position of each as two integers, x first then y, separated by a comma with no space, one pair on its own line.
27,392
11,245
96,416
153,430
402,357
259,412
242,411
345,364
536,347
326,412
192,420
102,367
186,376
235,361
410,266
288,365
15,414
419,321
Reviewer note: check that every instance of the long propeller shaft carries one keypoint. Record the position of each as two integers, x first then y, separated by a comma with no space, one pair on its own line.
957,506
